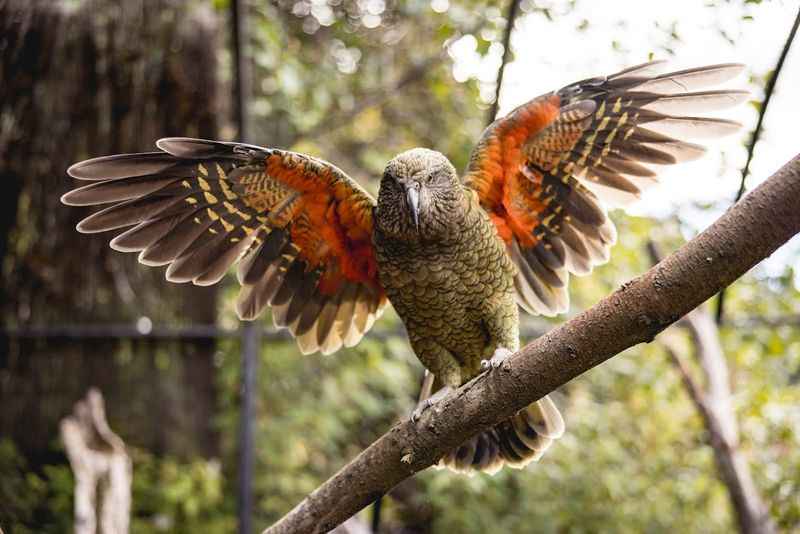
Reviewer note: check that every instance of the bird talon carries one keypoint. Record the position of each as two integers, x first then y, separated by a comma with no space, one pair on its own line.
430,401
498,360
420,409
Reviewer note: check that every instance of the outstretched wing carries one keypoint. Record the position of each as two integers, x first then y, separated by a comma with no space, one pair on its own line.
544,171
301,227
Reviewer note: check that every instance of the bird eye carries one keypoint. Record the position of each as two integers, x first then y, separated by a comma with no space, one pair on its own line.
437,177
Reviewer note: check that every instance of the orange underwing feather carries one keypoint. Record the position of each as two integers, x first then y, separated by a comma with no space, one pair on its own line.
301,228
546,170
494,170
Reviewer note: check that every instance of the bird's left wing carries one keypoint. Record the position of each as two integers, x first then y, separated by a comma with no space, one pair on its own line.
301,227
544,171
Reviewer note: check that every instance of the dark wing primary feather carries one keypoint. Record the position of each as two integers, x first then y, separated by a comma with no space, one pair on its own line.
301,227
544,171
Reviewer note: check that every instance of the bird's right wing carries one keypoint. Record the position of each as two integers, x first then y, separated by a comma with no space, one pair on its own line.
544,171
301,227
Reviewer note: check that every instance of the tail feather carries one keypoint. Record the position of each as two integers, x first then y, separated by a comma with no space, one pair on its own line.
516,442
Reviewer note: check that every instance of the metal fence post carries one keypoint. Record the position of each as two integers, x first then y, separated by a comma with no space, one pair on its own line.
251,333
251,339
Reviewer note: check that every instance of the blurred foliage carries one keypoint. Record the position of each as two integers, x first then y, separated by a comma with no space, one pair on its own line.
317,412
330,76
168,495
355,82
33,501
171,495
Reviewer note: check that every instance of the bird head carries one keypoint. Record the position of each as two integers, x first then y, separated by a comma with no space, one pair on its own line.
420,195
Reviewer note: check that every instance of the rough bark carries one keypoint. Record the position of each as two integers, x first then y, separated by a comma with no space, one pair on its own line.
750,231
102,468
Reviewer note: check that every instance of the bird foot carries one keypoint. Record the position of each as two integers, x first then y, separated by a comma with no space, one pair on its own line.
423,405
498,359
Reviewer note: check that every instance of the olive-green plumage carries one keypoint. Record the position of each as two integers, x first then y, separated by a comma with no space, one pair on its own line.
452,287
450,279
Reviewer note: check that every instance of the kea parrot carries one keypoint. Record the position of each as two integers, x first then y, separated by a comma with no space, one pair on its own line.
456,255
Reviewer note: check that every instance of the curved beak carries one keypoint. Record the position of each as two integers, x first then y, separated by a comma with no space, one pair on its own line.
412,200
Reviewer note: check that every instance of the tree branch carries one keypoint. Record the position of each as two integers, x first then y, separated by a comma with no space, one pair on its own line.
511,18
718,417
768,90
751,146
635,313
718,397
694,389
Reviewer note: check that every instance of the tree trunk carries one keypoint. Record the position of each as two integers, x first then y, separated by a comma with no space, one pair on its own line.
714,402
80,81
102,468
